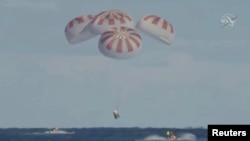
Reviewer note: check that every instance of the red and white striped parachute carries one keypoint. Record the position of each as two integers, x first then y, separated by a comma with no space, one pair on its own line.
111,18
157,28
120,43
75,30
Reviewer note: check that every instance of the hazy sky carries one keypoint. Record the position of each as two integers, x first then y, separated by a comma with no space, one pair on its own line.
202,78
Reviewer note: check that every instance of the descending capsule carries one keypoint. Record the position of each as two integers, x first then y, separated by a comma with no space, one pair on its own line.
75,30
156,27
111,18
120,43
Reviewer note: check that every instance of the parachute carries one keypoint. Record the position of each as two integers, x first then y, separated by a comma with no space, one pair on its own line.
75,30
156,27
118,36
108,19
120,43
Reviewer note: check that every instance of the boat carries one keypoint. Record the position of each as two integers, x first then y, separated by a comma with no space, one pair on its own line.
155,138
170,136
55,130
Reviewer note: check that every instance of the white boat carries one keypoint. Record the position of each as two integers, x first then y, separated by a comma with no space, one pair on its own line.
55,130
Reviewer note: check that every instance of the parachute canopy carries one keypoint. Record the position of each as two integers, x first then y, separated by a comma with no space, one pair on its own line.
118,37
156,27
111,18
75,30
120,43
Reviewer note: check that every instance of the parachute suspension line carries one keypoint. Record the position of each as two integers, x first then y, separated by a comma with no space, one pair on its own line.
120,96
118,101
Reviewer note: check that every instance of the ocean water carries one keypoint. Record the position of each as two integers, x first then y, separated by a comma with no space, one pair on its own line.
100,134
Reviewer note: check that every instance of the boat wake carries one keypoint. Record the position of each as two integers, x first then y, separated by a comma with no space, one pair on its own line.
187,137
181,137
53,131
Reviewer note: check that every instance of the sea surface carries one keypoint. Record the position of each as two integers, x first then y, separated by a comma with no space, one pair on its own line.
100,134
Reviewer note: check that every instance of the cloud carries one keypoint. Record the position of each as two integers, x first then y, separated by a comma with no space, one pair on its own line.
44,5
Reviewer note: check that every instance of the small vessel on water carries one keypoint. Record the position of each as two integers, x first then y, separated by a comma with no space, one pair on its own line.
55,130
170,136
